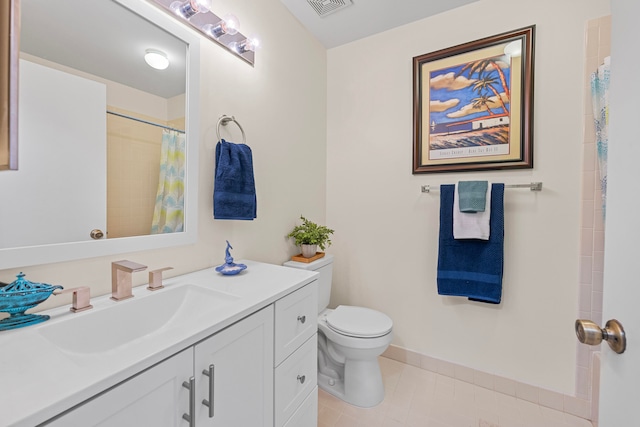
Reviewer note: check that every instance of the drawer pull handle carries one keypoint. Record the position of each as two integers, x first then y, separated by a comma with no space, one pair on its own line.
191,416
302,319
209,403
301,378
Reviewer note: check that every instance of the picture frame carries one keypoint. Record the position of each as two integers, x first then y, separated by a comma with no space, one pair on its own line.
9,30
473,105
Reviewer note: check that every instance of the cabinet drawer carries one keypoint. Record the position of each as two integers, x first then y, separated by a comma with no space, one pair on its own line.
295,378
296,320
307,413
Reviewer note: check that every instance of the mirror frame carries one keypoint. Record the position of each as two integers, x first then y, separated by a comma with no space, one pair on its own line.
45,254
9,36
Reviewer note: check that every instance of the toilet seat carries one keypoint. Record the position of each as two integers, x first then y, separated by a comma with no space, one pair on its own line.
359,322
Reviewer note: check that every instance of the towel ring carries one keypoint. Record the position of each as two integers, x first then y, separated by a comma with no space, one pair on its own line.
223,120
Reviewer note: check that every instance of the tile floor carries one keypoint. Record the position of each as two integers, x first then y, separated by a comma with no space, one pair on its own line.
419,398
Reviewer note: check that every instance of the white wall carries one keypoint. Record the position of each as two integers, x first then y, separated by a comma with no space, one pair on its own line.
281,103
387,231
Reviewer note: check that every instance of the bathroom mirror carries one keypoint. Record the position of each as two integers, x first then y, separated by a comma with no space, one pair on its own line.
84,88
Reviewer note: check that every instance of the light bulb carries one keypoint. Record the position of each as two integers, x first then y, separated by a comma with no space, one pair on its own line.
188,8
228,25
156,59
250,44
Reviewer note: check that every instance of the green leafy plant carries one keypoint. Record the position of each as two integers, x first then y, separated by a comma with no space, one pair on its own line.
310,233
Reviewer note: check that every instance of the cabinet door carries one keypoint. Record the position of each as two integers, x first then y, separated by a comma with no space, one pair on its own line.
240,389
154,397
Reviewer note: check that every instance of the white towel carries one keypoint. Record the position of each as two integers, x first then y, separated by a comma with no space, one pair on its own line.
471,225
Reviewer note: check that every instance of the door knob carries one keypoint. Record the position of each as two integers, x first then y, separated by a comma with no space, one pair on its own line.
590,333
96,234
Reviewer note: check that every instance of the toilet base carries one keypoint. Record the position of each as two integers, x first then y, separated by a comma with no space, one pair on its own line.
363,386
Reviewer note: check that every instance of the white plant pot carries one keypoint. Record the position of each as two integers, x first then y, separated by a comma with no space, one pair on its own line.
308,251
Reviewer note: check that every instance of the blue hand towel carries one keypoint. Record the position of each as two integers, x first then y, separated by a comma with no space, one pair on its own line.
472,196
234,193
471,268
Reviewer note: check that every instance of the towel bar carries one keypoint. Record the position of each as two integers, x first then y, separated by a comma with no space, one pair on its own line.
223,120
534,186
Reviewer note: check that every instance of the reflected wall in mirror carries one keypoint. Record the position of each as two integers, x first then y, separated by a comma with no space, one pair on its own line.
104,138
8,85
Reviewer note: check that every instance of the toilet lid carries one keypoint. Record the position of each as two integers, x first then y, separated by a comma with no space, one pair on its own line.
359,322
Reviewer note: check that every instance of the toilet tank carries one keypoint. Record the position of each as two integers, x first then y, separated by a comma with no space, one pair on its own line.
324,266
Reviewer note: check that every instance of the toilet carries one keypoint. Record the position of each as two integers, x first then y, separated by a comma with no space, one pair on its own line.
350,339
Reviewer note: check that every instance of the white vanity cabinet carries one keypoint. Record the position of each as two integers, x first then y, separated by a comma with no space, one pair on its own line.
295,364
241,387
249,362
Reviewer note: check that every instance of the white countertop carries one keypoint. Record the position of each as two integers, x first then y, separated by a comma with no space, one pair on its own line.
39,381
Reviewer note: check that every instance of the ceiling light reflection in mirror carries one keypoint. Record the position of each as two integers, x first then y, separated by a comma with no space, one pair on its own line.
156,59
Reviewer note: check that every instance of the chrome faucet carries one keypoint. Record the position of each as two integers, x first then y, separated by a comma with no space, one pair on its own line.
121,278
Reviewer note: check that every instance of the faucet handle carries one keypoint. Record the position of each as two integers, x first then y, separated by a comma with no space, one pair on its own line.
155,278
81,298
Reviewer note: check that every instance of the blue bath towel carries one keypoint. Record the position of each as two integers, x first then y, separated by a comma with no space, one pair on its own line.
471,268
234,193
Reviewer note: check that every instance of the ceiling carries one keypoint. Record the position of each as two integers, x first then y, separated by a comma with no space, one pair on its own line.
365,17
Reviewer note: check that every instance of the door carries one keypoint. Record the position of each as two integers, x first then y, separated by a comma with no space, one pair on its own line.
620,373
156,397
62,134
234,374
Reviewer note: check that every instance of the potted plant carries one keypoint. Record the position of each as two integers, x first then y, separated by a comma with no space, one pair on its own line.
309,236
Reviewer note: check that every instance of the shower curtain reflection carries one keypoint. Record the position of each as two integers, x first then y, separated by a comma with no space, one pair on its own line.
168,214
600,103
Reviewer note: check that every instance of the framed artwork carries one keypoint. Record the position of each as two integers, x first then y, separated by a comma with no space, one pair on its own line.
473,105
9,84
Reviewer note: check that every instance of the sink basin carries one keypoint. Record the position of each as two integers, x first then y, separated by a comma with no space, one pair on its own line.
135,319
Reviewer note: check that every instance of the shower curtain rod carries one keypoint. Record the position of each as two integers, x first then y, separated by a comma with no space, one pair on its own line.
534,186
144,121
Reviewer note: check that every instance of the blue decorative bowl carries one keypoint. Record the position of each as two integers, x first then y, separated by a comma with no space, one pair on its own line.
20,296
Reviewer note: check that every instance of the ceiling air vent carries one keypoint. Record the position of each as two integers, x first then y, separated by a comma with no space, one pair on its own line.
325,7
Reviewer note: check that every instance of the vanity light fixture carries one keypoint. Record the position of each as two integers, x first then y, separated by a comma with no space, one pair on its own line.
249,44
222,30
156,59
228,25
188,8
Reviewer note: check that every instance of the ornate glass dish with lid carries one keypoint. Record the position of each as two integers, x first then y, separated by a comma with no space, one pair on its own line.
20,296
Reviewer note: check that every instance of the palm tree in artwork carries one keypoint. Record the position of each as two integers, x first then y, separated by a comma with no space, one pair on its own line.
480,67
488,82
482,101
